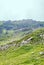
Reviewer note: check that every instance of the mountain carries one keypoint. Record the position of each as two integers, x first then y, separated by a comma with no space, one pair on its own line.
28,23
17,29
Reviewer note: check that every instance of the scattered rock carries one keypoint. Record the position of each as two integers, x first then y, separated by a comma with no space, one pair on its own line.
41,53
29,39
24,42
4,47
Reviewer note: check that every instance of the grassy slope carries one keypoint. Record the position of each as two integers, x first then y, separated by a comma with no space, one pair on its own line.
12,37
26,55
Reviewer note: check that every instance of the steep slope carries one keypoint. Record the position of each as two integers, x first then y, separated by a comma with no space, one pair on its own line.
30,53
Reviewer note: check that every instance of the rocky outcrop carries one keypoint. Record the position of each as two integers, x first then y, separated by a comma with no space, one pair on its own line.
4,47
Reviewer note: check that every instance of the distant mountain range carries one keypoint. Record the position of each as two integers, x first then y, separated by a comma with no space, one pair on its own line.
20,24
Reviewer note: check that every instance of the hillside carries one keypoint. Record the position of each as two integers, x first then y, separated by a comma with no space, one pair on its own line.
27,51
16,30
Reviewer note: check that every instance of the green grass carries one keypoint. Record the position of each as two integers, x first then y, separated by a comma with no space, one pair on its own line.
25,55
28,54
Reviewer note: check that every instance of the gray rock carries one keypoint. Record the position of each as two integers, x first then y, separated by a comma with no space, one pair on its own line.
41,53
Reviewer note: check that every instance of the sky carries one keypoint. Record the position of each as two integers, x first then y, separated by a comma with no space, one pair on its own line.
22,9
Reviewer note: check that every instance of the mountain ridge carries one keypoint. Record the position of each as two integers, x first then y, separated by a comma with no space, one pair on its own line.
17,29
